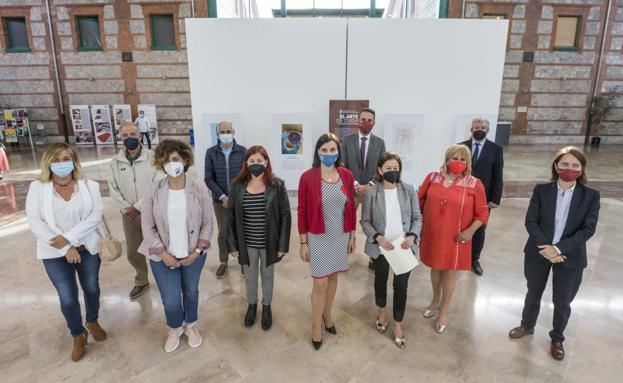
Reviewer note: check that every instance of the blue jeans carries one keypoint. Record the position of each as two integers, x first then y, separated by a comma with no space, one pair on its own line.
179,290
63,277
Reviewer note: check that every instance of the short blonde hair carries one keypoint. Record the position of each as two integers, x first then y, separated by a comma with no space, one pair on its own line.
460,150
50,155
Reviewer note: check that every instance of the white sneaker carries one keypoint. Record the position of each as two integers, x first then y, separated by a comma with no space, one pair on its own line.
194,338
173,341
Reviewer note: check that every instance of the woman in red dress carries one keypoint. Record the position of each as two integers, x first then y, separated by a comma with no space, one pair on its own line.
454,206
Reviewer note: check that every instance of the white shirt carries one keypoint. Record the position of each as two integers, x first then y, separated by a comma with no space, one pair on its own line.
142,123
563,202
67,213
176,215
481,145
393,216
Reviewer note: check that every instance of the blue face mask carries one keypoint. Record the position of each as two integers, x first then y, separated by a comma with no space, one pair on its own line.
62,169
226,138
328,159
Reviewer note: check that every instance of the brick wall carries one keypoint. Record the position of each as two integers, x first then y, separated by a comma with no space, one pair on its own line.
154,76
547,99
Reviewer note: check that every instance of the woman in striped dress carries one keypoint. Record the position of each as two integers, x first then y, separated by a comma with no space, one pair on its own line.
259,228
326,223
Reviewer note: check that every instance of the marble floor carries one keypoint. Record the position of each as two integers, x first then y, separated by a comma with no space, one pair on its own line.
35,344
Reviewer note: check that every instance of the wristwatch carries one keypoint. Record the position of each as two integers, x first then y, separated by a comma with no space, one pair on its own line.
198,251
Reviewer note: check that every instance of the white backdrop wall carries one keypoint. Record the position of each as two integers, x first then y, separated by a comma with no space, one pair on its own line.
260,69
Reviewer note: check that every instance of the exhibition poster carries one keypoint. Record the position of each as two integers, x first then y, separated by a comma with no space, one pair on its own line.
121,114
150,113
403,133
14,124
81,124
102,124
344,116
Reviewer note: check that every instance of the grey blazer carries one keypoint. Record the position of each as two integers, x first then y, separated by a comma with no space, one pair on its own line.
373,215
352,161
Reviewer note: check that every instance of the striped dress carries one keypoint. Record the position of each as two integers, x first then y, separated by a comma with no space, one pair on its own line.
254,218
328,252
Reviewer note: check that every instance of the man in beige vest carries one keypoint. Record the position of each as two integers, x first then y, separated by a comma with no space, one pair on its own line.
131,174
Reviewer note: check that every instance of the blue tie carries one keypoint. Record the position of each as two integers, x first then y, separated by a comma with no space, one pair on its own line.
476,153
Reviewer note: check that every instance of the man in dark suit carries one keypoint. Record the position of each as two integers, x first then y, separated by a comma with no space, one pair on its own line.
361,154
561,217
487,166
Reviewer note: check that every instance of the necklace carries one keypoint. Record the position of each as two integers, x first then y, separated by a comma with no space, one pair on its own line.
67,184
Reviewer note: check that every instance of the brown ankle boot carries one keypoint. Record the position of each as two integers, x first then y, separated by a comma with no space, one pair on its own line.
98,333
80,343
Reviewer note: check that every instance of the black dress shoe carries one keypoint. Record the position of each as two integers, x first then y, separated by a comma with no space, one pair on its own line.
249,319
476,268
370,265
317,344
331,329
267,317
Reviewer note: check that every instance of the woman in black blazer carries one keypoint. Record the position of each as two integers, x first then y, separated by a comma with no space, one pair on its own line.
259,228
561,217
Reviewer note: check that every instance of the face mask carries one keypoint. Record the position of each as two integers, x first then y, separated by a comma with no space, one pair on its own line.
391,176
365,127
174,169
131,143
226,138
479,134
457,167
328,159
257,169
62,169
569,175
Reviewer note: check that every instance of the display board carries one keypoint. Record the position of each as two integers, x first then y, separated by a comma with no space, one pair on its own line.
81,124
442,69
121,114
14,123
344,116
261,68
102,124
150,113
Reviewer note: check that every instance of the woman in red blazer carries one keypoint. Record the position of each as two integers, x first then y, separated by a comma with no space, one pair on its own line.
326,222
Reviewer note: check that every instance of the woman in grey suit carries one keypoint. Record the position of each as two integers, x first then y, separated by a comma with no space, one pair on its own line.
390,210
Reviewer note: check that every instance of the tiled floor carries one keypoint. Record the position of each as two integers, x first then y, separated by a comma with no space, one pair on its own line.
35,344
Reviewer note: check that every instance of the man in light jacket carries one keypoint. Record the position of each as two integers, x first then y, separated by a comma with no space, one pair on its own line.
131,174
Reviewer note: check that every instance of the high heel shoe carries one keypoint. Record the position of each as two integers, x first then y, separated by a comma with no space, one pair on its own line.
380,327
428,313
331,329
400,341
317,344
440,328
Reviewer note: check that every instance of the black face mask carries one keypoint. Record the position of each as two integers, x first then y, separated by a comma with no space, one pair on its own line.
131,143
257,169
391,176
479,134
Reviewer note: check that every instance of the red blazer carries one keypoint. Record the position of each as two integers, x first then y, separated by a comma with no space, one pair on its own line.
310,215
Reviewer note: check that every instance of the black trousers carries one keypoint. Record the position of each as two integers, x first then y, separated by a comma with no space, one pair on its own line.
147,136
565,283
478,242
401,282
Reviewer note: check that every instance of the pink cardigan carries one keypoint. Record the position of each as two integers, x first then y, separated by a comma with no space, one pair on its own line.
155,223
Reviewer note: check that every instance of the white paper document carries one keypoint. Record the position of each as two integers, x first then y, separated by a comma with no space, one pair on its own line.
400,260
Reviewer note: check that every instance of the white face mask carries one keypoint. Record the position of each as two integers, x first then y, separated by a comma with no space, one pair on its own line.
174,169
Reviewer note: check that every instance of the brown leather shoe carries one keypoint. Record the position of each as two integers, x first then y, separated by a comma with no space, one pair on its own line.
558,352
137,291
98,333
80,343
520,332
221,272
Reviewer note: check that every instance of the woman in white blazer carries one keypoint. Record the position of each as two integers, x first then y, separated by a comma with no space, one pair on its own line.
64,212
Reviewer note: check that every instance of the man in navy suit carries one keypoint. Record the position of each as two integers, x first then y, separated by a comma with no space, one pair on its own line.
487,166
561,217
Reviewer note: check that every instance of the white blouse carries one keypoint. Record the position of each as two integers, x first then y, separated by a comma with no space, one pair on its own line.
393,216
176,216
67,213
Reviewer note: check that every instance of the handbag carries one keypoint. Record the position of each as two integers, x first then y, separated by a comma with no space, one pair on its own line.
110,248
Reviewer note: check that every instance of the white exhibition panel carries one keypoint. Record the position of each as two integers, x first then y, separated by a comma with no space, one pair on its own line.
431,75
442,69
260,70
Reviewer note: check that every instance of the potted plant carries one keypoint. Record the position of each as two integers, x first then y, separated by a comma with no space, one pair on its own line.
601,108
